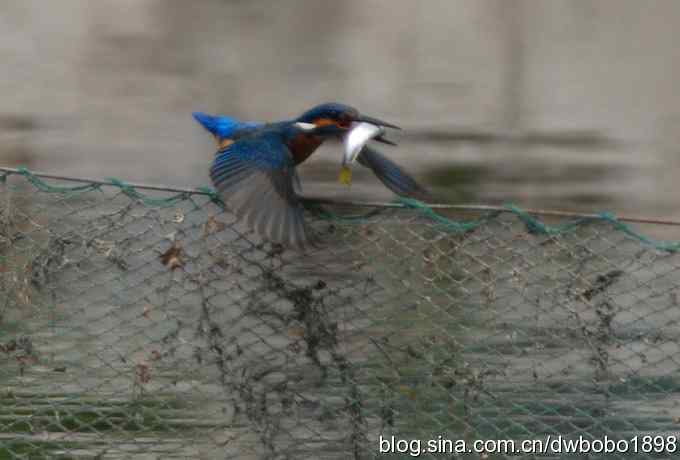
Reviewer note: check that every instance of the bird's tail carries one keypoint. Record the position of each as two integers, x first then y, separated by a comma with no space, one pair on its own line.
209,122
223,127
392,175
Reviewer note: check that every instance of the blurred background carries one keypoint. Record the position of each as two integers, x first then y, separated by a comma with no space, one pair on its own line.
564,104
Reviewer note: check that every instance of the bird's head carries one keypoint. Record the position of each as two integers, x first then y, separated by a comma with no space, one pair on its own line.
341,118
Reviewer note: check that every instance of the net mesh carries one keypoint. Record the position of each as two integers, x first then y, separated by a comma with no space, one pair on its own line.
156,326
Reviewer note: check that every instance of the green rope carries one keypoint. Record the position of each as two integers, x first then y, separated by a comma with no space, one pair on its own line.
45,187
444,222
668,246
125,188
533,225
536,226
133,193
213,195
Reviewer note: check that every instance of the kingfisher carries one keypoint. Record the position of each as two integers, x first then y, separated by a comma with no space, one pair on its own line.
227,130
254,168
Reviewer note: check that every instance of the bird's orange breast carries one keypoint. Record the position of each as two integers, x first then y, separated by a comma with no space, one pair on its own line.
302,146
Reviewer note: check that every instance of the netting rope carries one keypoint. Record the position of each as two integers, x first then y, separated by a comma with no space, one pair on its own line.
142,321
532,223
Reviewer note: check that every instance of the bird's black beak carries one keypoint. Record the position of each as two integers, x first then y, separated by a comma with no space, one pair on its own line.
335,130
384,140
376,121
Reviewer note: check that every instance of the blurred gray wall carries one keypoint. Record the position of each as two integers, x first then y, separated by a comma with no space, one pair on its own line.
107,87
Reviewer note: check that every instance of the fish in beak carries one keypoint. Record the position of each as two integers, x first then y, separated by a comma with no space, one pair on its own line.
359,135
381,123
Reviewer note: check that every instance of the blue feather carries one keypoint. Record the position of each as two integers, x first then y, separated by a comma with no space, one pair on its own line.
328,110
222,126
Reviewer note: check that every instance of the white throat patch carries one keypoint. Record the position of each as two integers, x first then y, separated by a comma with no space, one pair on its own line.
305,126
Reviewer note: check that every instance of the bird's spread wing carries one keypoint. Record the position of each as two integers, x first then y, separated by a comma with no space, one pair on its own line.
255,178
392,175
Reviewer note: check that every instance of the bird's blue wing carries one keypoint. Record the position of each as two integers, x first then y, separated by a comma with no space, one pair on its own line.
222,126
255,177
392,175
